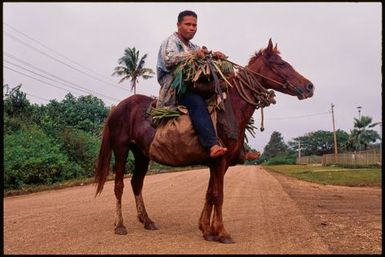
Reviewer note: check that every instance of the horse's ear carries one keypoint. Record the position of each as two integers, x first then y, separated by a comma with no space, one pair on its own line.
269,48
275,47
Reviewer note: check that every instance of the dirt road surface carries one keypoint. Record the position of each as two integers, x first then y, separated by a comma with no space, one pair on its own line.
265,213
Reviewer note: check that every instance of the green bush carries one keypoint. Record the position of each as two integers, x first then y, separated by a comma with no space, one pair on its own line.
32,158
81,147
282,159
13,124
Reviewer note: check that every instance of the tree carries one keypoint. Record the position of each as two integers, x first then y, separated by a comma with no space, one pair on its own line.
275,146
16,103
132,67
85,112
319,142
361,136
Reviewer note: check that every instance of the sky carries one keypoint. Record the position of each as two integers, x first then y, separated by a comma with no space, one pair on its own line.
56,48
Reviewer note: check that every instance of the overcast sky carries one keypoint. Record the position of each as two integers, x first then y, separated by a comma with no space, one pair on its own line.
335,45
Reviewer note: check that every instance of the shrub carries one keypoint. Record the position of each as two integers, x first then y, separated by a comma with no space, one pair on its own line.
81,148
31,157
282,159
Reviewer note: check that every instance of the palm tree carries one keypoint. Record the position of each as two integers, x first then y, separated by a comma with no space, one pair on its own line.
361,135
132,67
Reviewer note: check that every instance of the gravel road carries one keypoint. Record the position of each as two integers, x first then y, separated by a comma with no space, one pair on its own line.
265,213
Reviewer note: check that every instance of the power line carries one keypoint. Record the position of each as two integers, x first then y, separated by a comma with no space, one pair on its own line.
57,60
7,94
39,80
47,73
56,52
298,117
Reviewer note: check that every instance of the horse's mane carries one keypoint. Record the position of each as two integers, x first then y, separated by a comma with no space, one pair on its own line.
261,52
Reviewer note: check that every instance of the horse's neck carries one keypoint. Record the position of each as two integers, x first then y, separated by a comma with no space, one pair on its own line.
242,110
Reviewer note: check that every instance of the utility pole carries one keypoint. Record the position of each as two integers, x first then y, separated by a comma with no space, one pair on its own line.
299,148
359,118
359,111
7,89
335,136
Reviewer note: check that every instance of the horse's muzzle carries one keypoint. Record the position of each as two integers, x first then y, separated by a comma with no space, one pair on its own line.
305,92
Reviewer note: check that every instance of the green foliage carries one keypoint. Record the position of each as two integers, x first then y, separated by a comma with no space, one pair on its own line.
81,148
132,67
361,136
85,112
50,143
160,113
130,163
16,103
319,142
275,146
177,83
193,69
282,159
31,157
250,127
331,175
12,124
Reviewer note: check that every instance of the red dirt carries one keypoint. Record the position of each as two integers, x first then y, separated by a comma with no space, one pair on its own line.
265,213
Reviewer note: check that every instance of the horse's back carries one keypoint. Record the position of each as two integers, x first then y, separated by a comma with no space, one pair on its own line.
130,121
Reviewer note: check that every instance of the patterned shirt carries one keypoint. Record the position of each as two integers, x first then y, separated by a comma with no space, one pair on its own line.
171,52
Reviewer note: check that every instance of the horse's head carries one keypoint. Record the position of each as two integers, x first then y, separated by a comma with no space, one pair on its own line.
279,75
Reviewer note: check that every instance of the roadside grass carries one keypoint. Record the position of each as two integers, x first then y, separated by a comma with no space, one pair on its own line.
328,175
331,175
27,189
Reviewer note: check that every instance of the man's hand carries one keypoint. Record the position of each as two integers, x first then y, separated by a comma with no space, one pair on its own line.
219,55
201,52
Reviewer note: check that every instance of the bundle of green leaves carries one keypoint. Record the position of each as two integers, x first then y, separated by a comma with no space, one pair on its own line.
193,69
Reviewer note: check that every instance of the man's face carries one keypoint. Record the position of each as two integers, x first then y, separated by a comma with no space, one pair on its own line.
188,27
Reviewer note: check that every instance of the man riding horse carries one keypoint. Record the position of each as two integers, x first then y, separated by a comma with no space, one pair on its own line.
174,50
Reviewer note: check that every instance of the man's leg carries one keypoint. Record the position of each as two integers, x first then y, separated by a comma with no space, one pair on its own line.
202,123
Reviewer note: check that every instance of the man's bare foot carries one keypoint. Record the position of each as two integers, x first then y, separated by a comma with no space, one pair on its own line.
216,151
252,155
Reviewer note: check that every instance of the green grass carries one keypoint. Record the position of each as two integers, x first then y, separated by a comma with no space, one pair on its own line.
331,175
27,189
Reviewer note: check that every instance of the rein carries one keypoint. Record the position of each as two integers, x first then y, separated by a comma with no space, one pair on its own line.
261,97
287,83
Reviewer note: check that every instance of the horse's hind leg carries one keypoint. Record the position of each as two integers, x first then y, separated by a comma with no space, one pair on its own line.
119,167
141,167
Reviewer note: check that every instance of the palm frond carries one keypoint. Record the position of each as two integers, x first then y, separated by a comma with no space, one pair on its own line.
123,79
193,69
131,67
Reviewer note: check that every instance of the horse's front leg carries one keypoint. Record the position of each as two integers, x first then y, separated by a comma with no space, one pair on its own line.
214,230
217,227
204,221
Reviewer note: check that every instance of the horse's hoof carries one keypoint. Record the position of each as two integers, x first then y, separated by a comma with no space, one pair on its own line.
211,237
151,226
121,230
226,240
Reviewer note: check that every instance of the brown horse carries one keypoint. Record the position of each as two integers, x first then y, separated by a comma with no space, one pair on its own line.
127,128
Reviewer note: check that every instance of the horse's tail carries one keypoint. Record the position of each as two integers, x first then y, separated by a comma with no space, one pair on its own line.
102,167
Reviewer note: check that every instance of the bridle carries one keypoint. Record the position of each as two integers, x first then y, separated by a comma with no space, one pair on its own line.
285,85
261,97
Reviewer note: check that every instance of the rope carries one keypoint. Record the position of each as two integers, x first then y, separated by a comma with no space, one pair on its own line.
256,73
261,97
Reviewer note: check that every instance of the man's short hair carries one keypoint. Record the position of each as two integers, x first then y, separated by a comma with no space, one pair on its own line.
186,13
